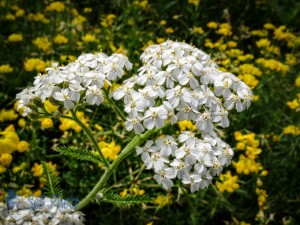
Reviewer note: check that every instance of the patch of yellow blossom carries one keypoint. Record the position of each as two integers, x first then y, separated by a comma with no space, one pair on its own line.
259,33
273,64
246,163
56,6
224,29
132,191
42,43
290,59
34,64
38,17
197,30
263,43
19,13
212,25
49,107
17,169
24,192
142,4
110,150
87,10
163,200
67,124
291,129
169,30
22,146
6,68
60,39
15,38
108,20
295,104
194,2
8,115
186,125
22,122
88,38
6,159
228,183
9,140
46,123
68,58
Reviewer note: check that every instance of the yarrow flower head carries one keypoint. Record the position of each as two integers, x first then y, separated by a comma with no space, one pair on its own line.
80,81
179,82
32,210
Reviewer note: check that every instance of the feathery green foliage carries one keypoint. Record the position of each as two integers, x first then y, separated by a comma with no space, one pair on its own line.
124,201
79,153
52,186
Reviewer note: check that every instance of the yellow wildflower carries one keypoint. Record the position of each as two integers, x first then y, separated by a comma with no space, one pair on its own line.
186,125
42,43
290,59
234,52
293,104
38,17
24,192
162,22
259,33
245,57
20,13
108,20
22,122
37,170
88,38
291,129
197,30
46,123
9,141
262,197
87,10
60,39
269,26
194,2
224,29
10,16
49,107
212,25
228,183
22,146
8,115
56,6
110,150
16,169
67,124
273,64
6,159
160,40
37,193
246,165
34,64
249,79
263,43
249,69
163,200
6,68
231,44
15,38
169,30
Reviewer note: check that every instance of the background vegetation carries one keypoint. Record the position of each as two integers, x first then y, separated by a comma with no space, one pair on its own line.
258,41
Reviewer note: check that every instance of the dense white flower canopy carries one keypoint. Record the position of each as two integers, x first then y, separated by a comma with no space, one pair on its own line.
176,82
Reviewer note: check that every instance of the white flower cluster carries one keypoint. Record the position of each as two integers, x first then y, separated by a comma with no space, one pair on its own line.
192,160
46,211
81,80
179,82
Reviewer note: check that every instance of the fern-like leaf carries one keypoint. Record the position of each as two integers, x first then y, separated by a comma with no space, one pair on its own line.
52,185
124,201
79,153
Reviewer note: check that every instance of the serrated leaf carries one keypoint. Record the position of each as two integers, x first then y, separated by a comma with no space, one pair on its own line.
124,201
52,185
79,153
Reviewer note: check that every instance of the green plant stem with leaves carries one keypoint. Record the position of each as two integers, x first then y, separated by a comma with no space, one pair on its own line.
136,141
110,168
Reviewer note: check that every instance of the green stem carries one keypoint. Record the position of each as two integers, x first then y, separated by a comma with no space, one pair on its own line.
136,141
88,133
114,106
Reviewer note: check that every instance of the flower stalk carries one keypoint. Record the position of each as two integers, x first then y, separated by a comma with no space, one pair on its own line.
136,141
